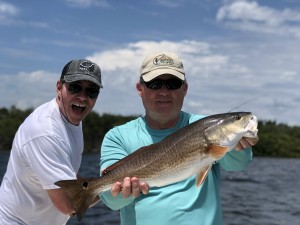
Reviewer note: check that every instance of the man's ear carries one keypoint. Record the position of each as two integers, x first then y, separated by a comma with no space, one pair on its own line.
139,88
59,86
185,88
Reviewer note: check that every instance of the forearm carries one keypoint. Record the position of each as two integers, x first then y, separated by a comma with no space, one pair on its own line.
115,202
236,160
123,192
61,201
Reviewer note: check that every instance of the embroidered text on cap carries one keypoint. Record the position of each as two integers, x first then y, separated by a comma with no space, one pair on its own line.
163,60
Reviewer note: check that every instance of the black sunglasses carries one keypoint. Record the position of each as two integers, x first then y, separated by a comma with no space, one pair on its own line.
155,84
76,88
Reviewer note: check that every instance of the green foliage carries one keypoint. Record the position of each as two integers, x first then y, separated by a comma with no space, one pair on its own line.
95,127
275,140
10,120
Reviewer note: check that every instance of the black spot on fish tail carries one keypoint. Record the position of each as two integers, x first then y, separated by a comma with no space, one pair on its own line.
80,195
85,184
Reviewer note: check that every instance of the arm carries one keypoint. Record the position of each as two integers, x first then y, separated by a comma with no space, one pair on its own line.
124,192
240,156
61,201
49,158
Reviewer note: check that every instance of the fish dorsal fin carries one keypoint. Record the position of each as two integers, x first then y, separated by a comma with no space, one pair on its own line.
217,151
202,175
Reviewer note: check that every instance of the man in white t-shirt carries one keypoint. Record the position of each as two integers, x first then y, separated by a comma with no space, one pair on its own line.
48,147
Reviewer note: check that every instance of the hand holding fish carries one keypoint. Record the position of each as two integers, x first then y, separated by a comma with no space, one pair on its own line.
130,186
246,142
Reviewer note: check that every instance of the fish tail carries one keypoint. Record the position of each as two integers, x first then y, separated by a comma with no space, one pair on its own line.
79,193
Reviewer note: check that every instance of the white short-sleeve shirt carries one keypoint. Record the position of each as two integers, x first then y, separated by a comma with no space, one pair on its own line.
46,149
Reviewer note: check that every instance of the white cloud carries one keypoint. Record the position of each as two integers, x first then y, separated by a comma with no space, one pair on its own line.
131,56
8,9
170,3
7,13
220,76
246,15
88,3
27,90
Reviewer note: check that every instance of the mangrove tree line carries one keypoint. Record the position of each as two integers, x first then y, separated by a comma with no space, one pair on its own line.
276,140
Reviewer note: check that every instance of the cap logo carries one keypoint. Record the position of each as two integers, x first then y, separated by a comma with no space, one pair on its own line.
163,60
86,66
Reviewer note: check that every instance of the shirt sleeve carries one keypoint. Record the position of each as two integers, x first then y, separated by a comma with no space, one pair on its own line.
49,158
236,160
112,150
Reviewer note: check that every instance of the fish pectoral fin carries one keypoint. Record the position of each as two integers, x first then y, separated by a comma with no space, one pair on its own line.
202,175
217,151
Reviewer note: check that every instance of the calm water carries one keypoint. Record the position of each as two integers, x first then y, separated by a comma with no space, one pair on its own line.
267,193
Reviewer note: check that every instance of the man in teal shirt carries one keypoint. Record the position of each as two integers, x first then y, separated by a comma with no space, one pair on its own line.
163,87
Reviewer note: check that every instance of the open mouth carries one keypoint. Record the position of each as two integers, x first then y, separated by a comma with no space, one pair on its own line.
251,128
78,108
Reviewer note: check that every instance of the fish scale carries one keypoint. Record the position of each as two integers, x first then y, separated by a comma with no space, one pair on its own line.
189,151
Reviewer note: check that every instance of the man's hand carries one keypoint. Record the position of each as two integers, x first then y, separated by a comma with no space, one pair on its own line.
246,142
130,186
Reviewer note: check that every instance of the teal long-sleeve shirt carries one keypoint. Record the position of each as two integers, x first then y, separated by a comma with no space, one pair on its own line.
179,203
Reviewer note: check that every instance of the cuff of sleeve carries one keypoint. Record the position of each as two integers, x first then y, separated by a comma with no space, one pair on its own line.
117,202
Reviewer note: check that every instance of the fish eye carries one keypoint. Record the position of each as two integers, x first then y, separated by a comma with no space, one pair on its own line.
238,117
104,172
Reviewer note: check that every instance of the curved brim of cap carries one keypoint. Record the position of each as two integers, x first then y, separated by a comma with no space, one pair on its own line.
155,73
77,77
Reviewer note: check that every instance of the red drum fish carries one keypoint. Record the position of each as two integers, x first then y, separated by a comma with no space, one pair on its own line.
189,151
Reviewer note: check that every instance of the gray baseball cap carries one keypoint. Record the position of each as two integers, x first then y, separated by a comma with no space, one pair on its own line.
162,63
81,69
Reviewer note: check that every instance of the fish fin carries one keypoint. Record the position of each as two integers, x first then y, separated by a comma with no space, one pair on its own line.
202,175
217,151
79,193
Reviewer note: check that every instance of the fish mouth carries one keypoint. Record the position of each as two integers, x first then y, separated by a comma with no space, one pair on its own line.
251,127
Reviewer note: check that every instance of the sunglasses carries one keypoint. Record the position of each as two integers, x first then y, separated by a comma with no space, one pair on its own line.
76,88
171,84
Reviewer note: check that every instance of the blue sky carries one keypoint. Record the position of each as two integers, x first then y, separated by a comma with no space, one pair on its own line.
235,53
